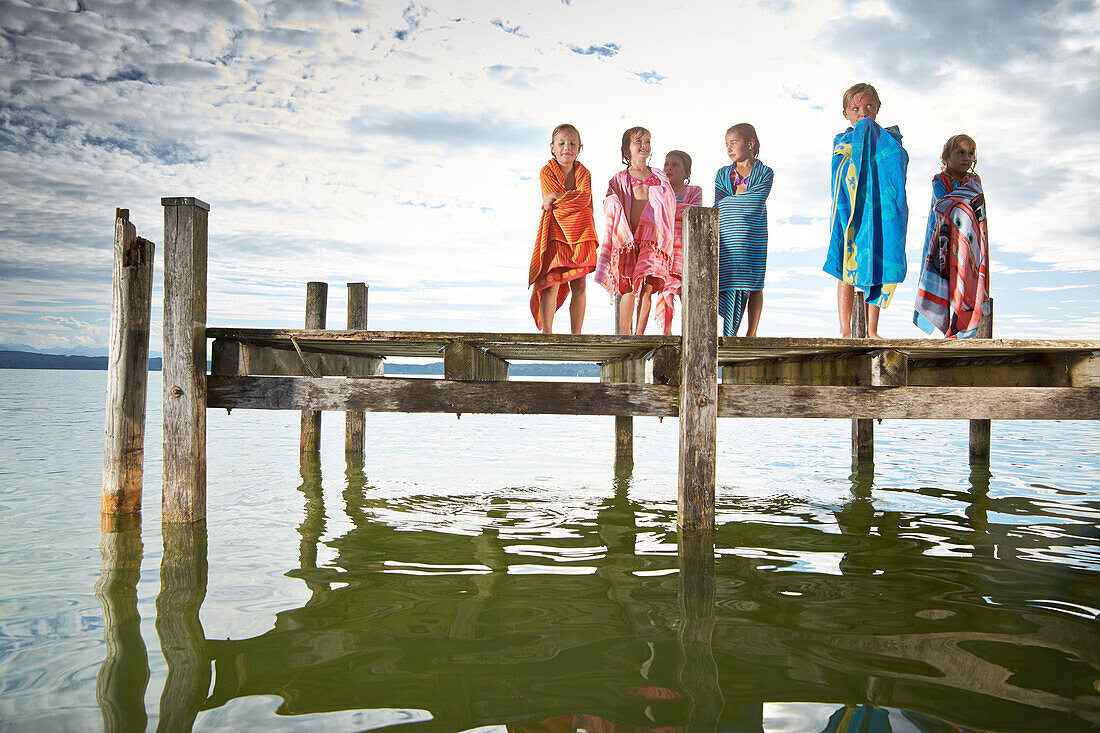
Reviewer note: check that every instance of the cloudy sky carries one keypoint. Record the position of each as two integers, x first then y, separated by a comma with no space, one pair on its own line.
399,143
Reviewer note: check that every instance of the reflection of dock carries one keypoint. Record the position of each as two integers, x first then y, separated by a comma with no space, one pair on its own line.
314,370
459,626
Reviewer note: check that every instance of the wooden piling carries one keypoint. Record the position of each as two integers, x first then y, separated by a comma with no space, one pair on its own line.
699,370
355,421
624,424
316,311
183,497
127,369
863,431
980,429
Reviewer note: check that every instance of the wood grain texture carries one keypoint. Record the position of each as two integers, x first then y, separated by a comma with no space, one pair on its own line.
316,316
666,365
699,371
981,430
232,358
863,431
355,421
127,369
887,368
465,362
183,493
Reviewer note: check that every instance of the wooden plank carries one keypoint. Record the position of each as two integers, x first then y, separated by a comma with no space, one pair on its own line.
316,315
232,358
183,492
666,365
699,371
394,394
127,369
1084,371
863,431
926,403
465,362
355,421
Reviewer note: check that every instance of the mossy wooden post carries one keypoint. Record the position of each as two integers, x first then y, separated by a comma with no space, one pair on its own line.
624,424
183,494
699,370
127,369
980,429
355,421
316,310
863,431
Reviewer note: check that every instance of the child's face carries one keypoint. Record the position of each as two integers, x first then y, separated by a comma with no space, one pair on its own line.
674,169
737,148
565,147
961,159
639,149
860,106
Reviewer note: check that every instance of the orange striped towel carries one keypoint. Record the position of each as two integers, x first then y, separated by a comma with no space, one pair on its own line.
565,247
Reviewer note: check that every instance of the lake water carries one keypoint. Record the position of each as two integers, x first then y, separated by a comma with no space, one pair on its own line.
496,573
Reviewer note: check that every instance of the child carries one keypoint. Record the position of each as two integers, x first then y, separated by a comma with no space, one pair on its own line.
565,248
869,215
636,258
741,193
953,292
678,171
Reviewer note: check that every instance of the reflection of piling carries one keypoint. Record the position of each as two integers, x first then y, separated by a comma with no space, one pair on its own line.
980,429
183,497
127,368
312,527
316,311
183,574
355,421
124,674
863,430
698,598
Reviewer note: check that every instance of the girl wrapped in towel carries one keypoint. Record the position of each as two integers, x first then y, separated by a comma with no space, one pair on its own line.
953,292
741,193
678,170
867,246
635,259
565,247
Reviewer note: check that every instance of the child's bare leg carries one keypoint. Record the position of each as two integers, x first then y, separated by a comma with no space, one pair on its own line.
547,307
576,304
645,302
626,312
753,308
845,294
873,312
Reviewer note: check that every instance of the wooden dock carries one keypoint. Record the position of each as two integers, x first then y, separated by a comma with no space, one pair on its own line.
313,369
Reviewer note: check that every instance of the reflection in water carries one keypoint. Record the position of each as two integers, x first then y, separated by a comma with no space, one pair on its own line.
124,674
183,574
552,616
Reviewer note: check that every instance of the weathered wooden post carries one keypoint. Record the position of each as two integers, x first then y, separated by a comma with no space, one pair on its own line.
624,424
124,674
863,431
355,421
980,429
699,370
316,310
183,495
127,369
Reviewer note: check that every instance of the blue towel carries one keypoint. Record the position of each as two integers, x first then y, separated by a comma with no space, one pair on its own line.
867,246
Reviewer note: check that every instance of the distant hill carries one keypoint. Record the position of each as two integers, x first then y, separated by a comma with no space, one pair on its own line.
32,360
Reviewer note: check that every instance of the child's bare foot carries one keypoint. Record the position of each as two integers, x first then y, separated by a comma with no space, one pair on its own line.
846,333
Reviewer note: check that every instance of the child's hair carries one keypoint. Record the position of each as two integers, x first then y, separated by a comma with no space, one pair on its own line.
952,143
857,89
628,136
747,133
684,158
565,127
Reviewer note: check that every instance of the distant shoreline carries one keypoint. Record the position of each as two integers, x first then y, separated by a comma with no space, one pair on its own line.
31,360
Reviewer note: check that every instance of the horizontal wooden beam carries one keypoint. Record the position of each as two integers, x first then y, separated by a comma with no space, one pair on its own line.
393,394
590,398
233,358
466,362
